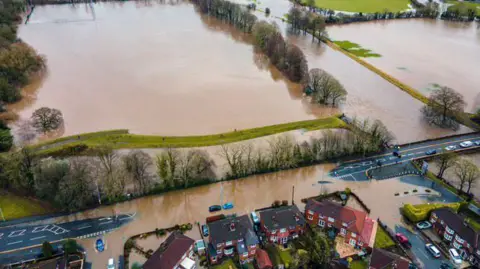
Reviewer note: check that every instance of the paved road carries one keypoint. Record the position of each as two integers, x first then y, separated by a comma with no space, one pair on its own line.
25,236
355,170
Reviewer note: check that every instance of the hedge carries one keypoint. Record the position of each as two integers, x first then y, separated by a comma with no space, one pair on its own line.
416,213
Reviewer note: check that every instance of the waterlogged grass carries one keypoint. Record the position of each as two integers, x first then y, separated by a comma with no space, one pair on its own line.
463,7
367,6
382,240
356,49
14,207
122,139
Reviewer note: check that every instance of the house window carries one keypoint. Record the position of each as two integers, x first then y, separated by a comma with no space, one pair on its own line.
343,231
321,223
321,216
219,251
354,235
353,242
447,237
284,240
459,239
245,254
219,245
331,219
310,212
344,224
274,231
273,238
228,243
450,231
214,258
310,217
240,240
456,245
283,230
329,225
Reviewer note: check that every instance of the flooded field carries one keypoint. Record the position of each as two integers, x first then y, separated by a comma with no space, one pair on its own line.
422,53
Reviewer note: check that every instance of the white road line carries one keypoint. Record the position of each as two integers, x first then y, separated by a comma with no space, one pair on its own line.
39,229
1,235
103,223
16,233
84,227
35,238
16,242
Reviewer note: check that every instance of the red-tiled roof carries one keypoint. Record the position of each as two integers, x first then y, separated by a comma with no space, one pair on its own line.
170,252
263,261
367,231
353,218
382,259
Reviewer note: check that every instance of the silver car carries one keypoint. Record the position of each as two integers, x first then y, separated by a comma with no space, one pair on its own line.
466,144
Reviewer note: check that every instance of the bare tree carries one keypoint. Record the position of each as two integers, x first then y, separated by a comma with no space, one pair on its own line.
234,156
26,132
167,166
136,164
443,103
113,182
324,88
445,161
47,119
467,173
75,191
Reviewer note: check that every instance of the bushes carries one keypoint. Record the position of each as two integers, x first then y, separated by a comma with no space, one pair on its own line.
416,213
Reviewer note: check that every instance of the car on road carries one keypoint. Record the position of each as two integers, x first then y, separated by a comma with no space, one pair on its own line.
111,263
456,258
255,218
228,205
433,250
449,148
403,240
477,142
466,144
424,225
214,208
99,245
431,152
445,265
205,230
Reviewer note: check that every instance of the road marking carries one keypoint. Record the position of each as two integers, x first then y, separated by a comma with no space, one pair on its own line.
16,242
16,233
84,227
35,238
39,229
1,235
103,223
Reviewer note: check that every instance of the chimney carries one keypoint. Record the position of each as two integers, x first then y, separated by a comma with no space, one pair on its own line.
232,227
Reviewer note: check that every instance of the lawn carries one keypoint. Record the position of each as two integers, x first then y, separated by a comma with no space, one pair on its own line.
474,224
228,264
382,240
356,49
463,7
122,139
278,256
358,265
14,207
367,6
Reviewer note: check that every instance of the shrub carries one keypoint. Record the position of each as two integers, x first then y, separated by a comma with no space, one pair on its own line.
416,213
415,190
348,191
284,202
397,194
267,11
276,203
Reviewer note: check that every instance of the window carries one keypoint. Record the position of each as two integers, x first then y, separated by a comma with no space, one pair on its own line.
353,242
245,254
354,235
214,258
331,219
228,243
459,239
456,245
310,217
310,212
240,240
321,216
283,230
219,245
274,231
343,231
228,251
447,237
344,224
321,223
329,225
219,251
450,231
273,238
441,222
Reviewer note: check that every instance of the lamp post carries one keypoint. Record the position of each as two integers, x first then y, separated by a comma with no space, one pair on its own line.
1,213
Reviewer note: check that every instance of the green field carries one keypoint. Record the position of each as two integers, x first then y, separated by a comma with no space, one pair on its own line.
463,7
367,6
14,207
382,240
356,49
122,139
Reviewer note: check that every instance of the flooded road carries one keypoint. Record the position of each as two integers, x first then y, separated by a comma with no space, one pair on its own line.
422,53
154,69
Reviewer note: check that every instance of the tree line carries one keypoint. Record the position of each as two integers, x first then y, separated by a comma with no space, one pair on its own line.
467,173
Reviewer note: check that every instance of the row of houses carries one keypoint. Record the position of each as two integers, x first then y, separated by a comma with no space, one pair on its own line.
237,235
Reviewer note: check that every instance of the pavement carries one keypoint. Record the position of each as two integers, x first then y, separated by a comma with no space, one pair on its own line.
22,237
355,170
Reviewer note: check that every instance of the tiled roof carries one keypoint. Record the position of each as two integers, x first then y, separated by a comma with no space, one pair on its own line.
282,217
382,259
263,261
170,252
229,229
458,224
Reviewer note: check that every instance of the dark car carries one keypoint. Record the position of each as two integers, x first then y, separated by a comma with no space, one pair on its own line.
431,152
205,230
214,208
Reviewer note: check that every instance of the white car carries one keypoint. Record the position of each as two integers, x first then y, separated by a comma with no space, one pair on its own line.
466,144
424,225
111,263
448,148
477,142
455,256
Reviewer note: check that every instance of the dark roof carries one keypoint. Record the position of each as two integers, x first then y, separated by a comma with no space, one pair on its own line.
458,224
229,229
170,252
355,219
383,259
263,261
282,217
251,238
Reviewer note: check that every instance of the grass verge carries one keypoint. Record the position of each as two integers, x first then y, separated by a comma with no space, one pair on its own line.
463,7
358,265
356,49
382,240
14,207
370,6
122,139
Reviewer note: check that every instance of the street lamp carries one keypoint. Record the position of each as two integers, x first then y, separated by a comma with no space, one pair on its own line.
1,213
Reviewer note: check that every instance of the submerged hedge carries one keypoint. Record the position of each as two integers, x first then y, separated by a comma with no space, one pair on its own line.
416,213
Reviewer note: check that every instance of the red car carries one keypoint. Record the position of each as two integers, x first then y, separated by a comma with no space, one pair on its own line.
403,240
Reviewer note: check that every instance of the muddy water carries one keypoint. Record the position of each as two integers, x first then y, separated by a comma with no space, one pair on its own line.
154,68
422,53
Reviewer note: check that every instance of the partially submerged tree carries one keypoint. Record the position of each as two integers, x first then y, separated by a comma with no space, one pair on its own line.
445,161
442,105
324,88
136,164
47,119
467,173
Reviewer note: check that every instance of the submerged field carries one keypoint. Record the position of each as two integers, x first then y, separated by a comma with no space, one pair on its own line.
367,6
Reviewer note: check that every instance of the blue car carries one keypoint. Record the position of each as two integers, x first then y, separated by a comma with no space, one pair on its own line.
99,245
228,205
205,230
214,208
431,152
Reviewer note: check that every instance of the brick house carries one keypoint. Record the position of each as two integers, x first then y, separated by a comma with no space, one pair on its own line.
354,225
282,224
230,235
382,259
176,252
453,229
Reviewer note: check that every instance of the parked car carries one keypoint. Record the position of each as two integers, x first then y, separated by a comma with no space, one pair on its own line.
214,208
477,142
449,148
466,144
431,152
255,218
403,240
205,230
228,205
456,258
433,250
424,225
111,263
445,265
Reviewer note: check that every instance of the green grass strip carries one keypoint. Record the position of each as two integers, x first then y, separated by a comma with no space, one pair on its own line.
382,240
122,139
14,207
356,49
